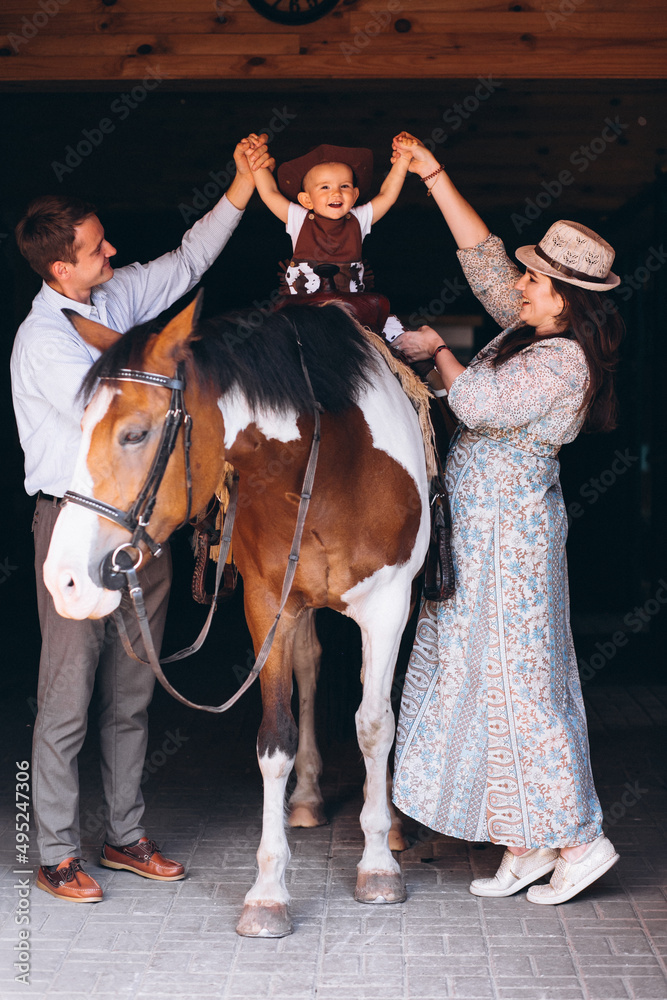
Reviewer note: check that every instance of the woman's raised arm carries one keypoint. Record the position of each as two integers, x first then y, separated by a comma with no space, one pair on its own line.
467,228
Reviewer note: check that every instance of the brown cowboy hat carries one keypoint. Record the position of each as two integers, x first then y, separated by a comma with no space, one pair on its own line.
292,173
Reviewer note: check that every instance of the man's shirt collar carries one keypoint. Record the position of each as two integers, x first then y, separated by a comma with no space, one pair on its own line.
57,301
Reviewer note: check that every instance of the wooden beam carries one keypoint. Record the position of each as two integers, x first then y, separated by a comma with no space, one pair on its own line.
158,45
198,40
437,58
172,22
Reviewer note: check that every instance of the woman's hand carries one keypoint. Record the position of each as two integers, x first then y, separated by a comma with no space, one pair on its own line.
418,345
243,168
423,161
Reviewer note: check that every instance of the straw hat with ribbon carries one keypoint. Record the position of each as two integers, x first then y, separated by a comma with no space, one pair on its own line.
573,253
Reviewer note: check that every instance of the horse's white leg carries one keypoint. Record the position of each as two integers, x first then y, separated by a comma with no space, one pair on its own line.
380,606
396,838
265,913
306,804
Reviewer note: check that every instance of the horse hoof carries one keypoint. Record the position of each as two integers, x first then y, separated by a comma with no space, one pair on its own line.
380,887
270,920
303,815
396,840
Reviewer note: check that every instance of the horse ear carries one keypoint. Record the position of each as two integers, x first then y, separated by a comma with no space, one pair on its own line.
169,344
95,334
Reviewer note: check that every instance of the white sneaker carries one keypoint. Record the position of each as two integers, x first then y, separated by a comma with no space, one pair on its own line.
569,878
516,871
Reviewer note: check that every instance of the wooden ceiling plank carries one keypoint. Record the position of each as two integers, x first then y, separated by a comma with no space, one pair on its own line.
493,56
641,25
410,8
162,44
233,9
108,21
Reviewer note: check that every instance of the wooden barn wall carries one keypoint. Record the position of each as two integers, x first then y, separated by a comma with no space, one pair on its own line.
51,41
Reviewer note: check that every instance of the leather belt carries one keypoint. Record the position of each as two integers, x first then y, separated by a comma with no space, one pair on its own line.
569,271
47,496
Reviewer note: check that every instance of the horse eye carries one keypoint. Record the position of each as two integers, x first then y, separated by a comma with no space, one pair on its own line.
134,437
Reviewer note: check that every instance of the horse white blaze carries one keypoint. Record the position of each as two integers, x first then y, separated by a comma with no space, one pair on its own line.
75,539
237,415
273,852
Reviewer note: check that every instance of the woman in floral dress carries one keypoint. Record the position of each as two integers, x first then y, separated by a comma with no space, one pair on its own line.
492,742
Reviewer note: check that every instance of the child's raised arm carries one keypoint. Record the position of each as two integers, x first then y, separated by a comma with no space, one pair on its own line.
262,163
392,184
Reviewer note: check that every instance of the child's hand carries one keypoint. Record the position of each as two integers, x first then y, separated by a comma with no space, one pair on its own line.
398,156
422,161
400,151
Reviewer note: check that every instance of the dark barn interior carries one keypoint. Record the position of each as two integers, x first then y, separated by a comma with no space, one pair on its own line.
136,107
169,160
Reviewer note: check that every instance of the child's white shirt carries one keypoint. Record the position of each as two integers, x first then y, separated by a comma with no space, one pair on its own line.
296,216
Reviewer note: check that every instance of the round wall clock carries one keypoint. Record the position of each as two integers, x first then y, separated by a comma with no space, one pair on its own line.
293,12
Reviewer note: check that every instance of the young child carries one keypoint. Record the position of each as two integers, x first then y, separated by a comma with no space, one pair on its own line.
316,196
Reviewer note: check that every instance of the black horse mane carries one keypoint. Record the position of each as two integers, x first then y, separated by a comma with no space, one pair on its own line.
258,353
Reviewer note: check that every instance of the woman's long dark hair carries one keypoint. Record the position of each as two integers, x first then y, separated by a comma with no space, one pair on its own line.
595,323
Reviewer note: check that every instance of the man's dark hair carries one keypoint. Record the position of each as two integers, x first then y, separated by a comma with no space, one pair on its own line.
46,232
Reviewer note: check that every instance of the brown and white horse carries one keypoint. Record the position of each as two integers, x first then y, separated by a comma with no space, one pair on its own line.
365,536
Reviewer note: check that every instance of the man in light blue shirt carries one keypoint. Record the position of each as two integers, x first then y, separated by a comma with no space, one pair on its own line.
64,241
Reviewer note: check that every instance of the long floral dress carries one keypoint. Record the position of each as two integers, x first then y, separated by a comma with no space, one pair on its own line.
492,742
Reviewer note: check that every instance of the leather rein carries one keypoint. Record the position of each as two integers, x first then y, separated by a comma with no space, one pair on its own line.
119,568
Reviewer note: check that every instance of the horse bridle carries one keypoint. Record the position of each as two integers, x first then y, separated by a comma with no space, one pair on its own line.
120,568
136,519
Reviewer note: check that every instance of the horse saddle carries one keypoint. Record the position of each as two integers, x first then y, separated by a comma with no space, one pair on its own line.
369,308
207,530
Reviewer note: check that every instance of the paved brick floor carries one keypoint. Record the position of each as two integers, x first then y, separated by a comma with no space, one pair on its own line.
154,941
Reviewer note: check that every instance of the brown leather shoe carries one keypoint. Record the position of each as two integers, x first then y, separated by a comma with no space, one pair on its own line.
142,859
69,881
